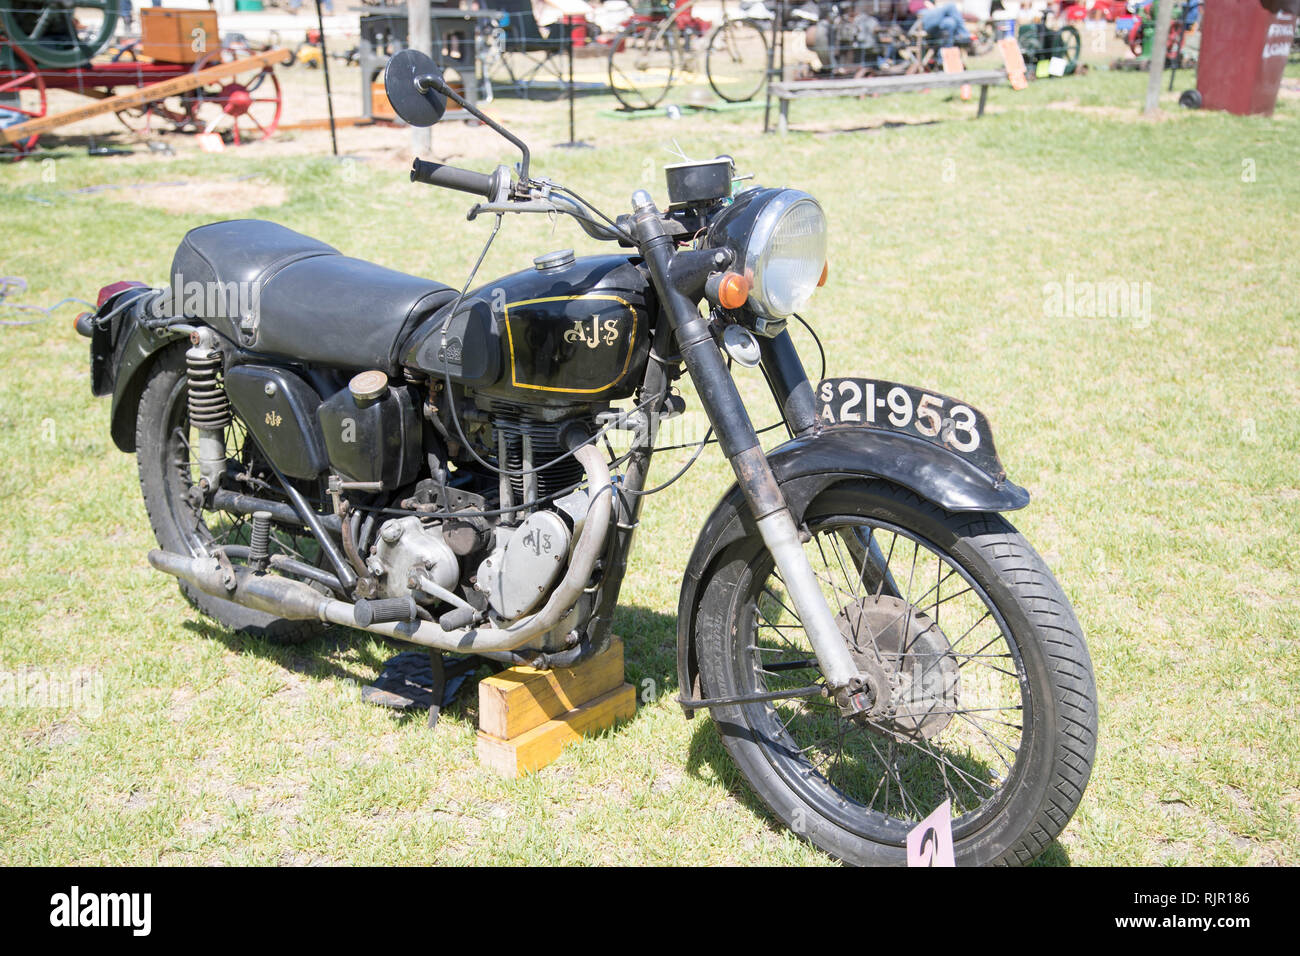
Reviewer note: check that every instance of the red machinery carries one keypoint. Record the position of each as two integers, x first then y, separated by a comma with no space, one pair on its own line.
1108,10
172,80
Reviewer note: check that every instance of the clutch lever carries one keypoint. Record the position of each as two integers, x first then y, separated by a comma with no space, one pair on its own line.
597,230
517,205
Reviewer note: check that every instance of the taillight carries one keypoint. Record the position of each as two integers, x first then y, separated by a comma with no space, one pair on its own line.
109,291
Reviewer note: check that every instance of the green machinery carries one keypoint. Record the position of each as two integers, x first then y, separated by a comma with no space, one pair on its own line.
57,33
1038,42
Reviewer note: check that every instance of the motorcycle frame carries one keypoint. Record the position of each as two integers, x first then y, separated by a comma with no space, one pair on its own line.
679,276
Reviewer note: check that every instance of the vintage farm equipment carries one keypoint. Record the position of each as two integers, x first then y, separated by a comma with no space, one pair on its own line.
1040,41
178,78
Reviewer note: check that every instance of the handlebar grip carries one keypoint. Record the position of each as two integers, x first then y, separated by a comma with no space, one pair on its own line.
451,177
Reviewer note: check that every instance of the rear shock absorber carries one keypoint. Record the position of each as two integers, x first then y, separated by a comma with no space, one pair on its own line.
208,406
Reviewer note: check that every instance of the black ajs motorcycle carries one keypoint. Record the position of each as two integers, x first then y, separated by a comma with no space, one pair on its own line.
324,441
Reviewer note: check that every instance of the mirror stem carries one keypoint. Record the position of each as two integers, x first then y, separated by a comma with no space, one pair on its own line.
432,81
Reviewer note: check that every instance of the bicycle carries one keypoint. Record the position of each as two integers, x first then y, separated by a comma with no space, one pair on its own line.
656,45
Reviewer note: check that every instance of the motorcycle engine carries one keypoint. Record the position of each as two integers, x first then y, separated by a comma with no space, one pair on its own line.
492,566
530,555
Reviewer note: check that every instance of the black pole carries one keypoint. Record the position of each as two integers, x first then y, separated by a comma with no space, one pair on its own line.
777,36
572,137
325,65
573,142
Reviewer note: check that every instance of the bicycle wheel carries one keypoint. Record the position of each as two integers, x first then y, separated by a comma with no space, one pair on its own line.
983,40
736,60
642,62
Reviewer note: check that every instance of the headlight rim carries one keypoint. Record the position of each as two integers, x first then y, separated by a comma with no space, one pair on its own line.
759,238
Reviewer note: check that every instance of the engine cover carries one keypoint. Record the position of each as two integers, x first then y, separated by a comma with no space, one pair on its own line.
407,549
520,573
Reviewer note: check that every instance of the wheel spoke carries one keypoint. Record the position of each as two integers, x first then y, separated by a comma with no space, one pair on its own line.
38,28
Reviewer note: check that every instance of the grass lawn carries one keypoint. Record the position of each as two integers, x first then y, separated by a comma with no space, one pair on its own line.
1162,450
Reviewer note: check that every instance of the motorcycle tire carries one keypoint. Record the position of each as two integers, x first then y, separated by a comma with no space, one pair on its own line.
162,459
1013,767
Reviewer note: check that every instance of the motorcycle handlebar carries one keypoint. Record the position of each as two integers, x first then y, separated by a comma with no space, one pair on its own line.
452,177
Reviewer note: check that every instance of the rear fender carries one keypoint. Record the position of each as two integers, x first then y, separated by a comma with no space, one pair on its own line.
122,352
804,468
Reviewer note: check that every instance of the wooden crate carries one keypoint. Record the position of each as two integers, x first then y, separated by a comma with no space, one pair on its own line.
171,35
527,717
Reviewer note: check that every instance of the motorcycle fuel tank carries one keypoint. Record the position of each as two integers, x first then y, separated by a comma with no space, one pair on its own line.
567,329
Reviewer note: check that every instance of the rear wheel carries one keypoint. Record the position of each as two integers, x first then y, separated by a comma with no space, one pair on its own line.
22,96
989,700
166,456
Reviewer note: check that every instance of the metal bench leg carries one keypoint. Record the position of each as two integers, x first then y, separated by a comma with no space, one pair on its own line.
984,95
783,120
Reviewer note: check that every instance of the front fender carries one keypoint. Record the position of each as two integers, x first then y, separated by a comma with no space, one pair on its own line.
804,468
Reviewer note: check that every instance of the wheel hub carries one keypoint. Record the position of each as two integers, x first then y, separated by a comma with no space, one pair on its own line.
235,99
910,666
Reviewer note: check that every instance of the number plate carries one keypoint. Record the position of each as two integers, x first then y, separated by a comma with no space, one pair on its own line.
938,419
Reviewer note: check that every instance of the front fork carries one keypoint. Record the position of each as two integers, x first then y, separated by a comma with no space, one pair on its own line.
739,443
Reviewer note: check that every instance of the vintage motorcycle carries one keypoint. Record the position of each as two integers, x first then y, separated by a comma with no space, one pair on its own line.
321,440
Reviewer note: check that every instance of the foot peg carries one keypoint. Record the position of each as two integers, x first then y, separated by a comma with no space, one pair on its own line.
386,610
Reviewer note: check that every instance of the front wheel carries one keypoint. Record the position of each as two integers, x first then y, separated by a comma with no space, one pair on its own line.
642,62
990,702
736,60
1135,34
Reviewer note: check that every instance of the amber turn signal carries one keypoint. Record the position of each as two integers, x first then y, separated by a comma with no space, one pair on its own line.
826,271
733,291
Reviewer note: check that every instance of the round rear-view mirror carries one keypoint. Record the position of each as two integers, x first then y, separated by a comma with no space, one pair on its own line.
415,107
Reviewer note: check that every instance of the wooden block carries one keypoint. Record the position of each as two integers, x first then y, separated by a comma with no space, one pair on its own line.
540,746
520,698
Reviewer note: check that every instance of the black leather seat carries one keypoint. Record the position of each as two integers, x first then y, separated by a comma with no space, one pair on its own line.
277,291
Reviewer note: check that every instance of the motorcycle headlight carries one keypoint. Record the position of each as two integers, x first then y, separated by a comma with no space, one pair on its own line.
779,237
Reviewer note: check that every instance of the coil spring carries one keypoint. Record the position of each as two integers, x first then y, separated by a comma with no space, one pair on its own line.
259,543
208,405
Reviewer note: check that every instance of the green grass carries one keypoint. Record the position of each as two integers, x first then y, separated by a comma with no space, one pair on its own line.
1162,456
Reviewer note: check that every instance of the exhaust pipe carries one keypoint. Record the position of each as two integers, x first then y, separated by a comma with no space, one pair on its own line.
283,597
292,599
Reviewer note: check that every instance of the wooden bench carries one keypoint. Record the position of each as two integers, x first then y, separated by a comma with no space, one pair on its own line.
912,83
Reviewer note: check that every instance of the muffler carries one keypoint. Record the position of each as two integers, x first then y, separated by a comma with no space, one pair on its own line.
283,597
